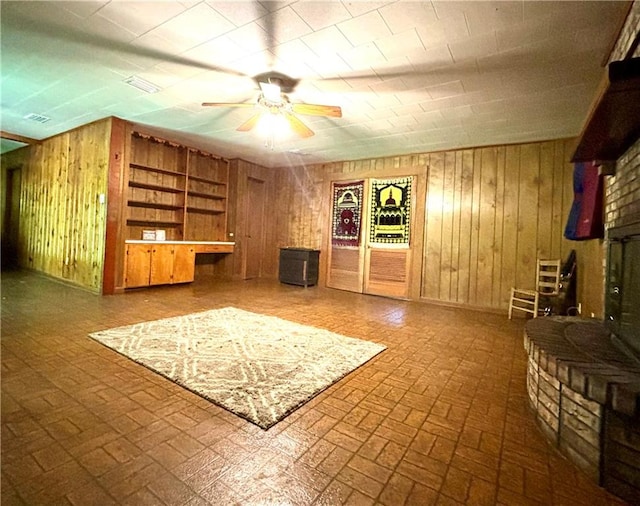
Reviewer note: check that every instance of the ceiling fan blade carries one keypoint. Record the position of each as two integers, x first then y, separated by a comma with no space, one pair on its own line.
250,123
70,34
298,126
228,104
318,110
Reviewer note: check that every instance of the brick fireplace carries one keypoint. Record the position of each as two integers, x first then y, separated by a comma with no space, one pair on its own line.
583,376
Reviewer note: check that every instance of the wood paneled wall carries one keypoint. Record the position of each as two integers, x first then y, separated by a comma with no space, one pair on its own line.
301,211
489,213
62,217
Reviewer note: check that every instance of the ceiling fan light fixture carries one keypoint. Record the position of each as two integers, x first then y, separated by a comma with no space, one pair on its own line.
273,126
271,92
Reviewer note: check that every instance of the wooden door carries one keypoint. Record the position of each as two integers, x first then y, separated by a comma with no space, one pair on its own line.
390,237
254,239
184,263
161,264
137,265
387,272
346,258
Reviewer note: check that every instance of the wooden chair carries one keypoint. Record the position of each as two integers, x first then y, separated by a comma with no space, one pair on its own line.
547,285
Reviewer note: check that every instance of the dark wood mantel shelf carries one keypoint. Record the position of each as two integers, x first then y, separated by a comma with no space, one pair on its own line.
614,122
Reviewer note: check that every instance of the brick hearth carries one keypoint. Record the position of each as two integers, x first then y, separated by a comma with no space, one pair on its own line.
586,396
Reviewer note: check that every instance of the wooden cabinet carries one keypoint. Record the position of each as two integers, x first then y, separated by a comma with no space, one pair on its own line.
159,264
184,264
137,265
161,272
299,266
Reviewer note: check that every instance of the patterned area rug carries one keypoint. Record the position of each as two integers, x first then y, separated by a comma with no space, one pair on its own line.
259,367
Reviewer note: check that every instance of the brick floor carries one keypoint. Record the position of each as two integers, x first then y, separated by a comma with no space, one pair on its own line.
440,417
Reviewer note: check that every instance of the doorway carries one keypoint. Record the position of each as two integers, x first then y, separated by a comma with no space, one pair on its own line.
11,219
254,238
380,260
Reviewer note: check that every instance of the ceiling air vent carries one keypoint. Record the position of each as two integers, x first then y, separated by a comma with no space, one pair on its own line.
37,117
141,84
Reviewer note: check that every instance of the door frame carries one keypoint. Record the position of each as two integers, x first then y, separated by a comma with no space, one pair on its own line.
331,281
11,217
381,287
420,174
249,217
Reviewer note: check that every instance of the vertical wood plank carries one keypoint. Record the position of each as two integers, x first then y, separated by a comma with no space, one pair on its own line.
433,228
528,216
446,251
486,223
510,219
456,213
466,205
545,200
475,230
498,297
558,200
113,268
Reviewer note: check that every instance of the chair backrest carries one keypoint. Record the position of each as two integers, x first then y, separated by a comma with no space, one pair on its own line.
548,282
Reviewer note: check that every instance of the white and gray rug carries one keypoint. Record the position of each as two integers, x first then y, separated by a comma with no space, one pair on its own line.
259,367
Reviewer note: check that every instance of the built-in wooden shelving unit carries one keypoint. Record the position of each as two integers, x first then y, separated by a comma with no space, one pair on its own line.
180,190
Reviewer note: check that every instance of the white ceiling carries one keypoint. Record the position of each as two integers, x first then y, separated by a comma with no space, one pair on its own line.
409,76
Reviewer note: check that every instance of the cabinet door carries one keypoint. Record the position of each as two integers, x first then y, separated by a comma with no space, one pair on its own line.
138,265
184,264
161,264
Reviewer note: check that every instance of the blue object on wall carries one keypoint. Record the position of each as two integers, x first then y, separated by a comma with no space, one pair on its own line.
585,218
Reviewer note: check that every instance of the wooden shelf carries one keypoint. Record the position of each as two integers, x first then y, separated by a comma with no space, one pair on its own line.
149,186
154,205
614,123
205,180
201,210
154,223
206,195
156,169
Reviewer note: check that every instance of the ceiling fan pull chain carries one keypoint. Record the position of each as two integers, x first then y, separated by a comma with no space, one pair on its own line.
270,141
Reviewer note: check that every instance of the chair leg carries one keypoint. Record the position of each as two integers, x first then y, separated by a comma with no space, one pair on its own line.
536,301
511,304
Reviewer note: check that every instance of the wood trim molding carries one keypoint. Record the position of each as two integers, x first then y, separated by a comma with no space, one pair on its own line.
18,138
114,249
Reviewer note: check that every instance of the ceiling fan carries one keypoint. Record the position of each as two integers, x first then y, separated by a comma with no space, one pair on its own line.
273,100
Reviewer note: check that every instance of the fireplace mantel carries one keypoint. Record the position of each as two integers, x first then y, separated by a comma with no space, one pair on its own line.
614,123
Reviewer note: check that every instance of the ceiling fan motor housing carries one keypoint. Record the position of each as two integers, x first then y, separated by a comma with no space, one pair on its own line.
287,84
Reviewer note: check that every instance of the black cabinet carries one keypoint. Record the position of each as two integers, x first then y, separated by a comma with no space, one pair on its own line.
299,266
